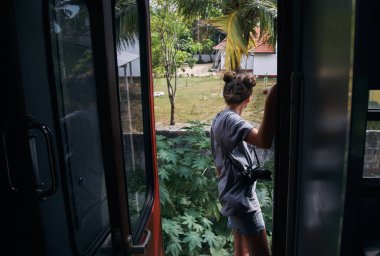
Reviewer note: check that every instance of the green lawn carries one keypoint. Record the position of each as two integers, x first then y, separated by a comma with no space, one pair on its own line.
199,99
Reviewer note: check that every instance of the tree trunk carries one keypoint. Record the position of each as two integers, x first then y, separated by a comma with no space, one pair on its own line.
171,95
172,111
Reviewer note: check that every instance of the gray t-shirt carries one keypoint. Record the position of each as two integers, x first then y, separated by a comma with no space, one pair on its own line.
228,129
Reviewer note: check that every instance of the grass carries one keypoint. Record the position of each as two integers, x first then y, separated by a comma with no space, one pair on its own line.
200,98
197,99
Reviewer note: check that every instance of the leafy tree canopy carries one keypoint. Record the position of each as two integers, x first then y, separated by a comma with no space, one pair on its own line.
238,20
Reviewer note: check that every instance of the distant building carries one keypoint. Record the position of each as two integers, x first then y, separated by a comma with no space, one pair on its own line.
262,58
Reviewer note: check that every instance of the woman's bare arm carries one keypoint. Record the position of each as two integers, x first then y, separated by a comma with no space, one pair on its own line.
263,137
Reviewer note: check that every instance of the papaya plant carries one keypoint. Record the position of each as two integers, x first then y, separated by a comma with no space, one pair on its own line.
191,219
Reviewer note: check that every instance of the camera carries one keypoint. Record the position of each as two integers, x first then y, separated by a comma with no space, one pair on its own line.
256,172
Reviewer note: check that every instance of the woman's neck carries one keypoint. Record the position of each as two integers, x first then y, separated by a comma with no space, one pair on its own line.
238,108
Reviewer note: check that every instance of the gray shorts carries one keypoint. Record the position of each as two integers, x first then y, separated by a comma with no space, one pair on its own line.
248,223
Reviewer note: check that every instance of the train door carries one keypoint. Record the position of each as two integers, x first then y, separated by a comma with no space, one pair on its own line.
362,210
77,143
316,49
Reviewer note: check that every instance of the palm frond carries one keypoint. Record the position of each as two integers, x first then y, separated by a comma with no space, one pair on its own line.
266,13
236,43
126,21
244,18
193,9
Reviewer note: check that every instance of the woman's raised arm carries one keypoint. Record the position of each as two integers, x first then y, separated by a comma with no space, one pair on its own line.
263,137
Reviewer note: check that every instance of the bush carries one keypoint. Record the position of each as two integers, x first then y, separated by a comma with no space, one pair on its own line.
192,223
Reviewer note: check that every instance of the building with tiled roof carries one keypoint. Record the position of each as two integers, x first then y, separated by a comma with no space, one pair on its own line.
262,58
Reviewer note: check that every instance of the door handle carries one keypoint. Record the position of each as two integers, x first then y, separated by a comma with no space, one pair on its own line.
52,162
4,145
139,248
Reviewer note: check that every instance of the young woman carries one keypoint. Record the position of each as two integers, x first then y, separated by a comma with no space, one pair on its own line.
237,196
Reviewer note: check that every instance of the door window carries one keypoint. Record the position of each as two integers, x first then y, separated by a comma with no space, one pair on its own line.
70,32
132,102
76,90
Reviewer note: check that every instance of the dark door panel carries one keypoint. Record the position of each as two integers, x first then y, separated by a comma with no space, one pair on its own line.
77,180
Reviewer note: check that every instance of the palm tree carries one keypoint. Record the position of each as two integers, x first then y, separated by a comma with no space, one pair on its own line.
240,22
126,22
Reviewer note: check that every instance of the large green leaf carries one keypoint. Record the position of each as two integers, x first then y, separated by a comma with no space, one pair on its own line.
187,159
173,247
167,156
164,195
185,172
194,240
163,174
264,196
219,252
210,238
203,144
206,222
189,220
171,227
201,163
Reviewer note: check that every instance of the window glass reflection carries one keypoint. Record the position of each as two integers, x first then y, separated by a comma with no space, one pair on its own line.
372,150
131,108
80,131
374,99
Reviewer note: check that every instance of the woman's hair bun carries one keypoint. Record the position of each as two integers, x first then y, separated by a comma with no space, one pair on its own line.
237,88
229,76
249,80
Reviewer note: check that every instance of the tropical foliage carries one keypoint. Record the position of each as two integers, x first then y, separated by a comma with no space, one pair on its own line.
126,22
170,43
240,21
200,9
192,224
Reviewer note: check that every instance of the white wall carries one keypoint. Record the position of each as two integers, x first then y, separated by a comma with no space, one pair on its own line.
222,59
261,63
265,64
247,63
